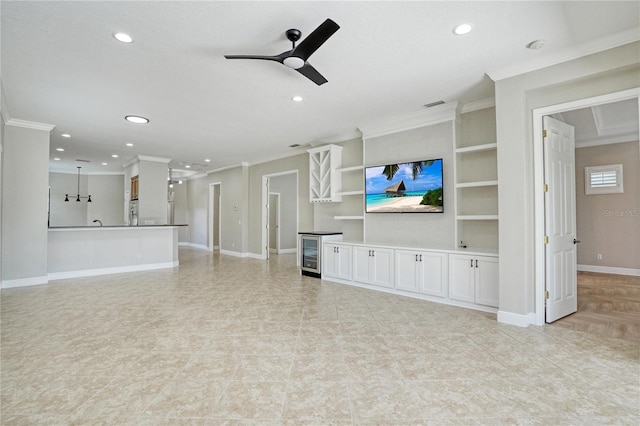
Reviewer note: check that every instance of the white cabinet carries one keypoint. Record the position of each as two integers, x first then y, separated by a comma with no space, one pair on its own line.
337,261
373,265
325,183
422,272
474,279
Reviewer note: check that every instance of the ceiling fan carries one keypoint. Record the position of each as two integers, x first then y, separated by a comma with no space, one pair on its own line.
296,58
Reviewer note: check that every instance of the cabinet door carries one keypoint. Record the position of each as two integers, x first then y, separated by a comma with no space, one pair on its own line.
381,267
330,261
407,277
486,281
361,259
434,268
461,277
343,259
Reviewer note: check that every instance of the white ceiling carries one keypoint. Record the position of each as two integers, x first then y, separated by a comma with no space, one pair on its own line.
61,65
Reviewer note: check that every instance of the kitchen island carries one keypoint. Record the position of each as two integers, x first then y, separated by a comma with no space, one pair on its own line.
81,251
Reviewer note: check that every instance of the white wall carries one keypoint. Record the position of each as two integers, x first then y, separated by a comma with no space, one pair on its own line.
24,204
152,199
516,98
71,213
107,199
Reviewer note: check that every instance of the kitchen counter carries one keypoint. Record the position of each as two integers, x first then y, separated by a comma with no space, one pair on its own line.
320,233
80,251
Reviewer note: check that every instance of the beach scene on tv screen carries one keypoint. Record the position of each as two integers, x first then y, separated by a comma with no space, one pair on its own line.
414,187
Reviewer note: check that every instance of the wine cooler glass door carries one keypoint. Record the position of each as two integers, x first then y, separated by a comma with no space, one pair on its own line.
311,254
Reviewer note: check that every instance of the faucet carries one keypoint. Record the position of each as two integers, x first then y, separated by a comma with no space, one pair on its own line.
99,221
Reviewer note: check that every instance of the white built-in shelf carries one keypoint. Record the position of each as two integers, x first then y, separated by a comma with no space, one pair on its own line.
348,217
477,184
477,148
351,193
477,217
349,169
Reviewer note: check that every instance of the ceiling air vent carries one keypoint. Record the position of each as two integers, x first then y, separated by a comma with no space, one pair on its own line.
295,145
83,161
432,104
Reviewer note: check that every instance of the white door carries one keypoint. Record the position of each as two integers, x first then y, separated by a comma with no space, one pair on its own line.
560,219
274,221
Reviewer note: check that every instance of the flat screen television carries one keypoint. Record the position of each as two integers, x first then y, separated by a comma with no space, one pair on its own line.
413,187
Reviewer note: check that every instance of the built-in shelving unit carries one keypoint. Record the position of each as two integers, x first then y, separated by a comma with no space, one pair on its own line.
325,183
477,179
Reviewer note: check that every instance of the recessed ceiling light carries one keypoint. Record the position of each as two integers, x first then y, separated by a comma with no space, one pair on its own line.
137,119
297,98
115,155
56,159
129,144
104,164
206,160
60,149
536,44
187,166
125,38
65,135
462,29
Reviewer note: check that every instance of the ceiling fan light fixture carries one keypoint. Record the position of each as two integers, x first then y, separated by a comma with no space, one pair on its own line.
137,119
293,62
462,29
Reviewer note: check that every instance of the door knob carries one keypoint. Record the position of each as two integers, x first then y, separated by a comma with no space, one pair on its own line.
575,241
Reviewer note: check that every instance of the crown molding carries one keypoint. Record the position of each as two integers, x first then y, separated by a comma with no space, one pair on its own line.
138,158
30,124
424,117
478,105
355,134
574,52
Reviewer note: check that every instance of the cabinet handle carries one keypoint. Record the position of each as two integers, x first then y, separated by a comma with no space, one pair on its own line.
416,257
373,253
337,249
420,258
472,263
476,263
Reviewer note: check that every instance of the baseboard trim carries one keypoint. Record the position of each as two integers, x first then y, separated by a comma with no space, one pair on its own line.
25,282
233,253
609,270
516,319
107,271
198,246
287,251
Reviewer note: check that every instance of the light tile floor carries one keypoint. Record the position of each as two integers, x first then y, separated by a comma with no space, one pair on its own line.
223,340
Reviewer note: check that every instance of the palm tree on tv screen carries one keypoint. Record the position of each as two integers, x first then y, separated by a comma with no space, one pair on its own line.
416,168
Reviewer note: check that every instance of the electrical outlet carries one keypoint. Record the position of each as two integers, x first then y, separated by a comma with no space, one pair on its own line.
599,256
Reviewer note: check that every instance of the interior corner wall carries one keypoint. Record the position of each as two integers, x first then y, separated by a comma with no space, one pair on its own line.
433,230
24,203
181,213
609,224
305,209
153,195
287,187
516,97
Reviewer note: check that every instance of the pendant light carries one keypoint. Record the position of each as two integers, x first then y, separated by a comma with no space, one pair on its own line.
66,196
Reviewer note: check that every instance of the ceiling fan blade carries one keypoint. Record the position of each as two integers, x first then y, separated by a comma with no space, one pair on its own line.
316,39
264,58
312,74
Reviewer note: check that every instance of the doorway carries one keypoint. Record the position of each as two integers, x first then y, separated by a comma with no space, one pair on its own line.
286,185
543,269
214,217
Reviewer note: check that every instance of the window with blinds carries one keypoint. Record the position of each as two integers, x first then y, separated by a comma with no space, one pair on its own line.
603,179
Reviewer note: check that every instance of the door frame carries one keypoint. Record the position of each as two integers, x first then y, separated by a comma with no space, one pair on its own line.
538,166
264,251
277,232
211,205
